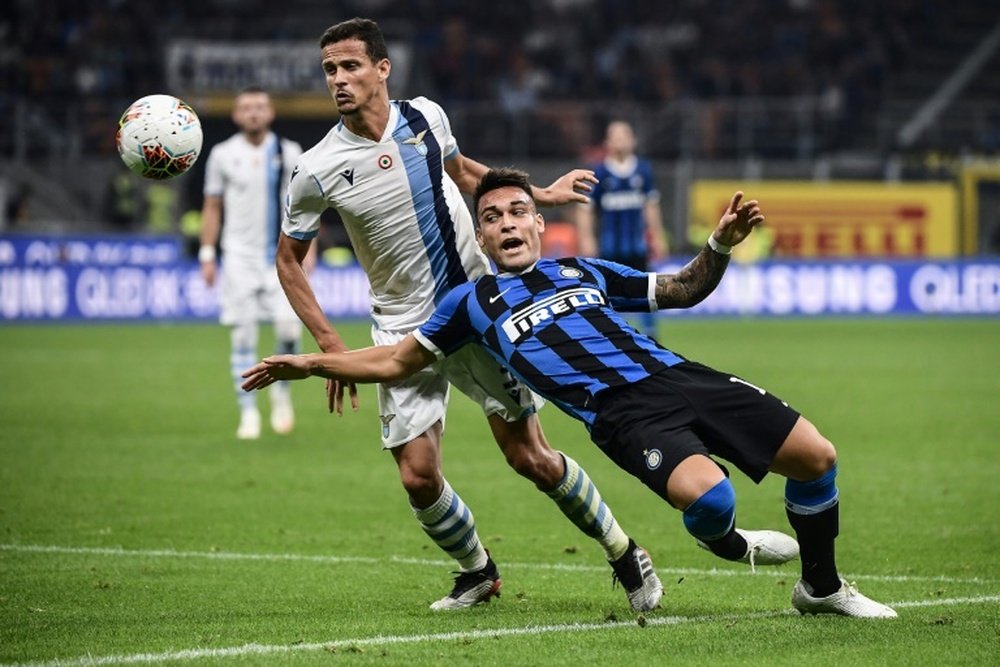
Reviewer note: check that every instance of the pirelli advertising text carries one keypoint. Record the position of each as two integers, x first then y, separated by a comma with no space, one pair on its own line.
843,219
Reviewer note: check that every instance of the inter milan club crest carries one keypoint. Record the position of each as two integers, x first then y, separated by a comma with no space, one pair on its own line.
570,272
653,458
385,424
384,161
418,142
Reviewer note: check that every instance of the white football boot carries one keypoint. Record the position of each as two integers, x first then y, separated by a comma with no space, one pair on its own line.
765,547
249,428
472,588
282,414
634,570
847,602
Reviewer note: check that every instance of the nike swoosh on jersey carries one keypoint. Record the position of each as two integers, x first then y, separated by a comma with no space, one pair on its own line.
493,299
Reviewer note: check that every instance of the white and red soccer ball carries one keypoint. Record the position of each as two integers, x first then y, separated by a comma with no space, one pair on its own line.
159,137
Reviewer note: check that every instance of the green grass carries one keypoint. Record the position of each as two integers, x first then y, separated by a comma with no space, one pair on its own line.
121,438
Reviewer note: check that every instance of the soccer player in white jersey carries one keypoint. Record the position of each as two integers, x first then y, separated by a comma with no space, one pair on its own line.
393,172
245,182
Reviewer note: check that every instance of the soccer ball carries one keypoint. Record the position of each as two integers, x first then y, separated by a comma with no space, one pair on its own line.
159,137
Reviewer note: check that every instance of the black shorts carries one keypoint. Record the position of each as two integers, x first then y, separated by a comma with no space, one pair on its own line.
649,427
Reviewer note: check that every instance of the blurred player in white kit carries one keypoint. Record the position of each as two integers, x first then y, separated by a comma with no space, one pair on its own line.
245,181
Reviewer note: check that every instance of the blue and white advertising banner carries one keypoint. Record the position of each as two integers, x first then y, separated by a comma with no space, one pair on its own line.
846,287
135,278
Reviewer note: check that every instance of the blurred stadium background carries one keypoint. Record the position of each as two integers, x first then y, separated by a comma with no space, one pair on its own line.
870,129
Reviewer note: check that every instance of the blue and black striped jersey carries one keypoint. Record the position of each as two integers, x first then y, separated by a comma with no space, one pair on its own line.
620,197
556,328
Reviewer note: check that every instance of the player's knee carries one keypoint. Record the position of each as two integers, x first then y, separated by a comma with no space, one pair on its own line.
421,484
244,336
712,515
820,459
543,467
288,332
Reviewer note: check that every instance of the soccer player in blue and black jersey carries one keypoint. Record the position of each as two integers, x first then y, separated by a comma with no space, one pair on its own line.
659,416
623,222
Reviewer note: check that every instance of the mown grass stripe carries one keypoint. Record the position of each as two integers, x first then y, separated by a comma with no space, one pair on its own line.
337,644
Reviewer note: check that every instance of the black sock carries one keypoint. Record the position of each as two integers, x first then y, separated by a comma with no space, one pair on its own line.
816,534
730,546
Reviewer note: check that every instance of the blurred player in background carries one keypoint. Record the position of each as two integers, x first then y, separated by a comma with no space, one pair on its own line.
657,415
394,174
625,210
245,181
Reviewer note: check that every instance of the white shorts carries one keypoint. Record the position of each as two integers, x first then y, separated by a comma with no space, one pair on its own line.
409,407
251,293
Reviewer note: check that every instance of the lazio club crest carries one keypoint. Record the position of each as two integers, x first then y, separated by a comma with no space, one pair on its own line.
418,142
385,424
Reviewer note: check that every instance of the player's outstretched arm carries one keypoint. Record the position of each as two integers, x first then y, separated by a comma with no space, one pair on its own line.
383,363
571,187
292,259
701,276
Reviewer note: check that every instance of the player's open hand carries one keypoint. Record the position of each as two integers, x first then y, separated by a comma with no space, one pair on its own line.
335,396
272,369
738,220
335,388
569,188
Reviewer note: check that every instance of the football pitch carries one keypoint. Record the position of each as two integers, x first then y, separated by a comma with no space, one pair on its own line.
135,528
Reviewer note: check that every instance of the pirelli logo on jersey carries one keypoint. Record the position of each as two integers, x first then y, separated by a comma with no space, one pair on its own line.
521,322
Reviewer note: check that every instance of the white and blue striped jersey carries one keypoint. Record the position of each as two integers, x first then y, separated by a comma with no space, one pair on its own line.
250,180
555,326
411,230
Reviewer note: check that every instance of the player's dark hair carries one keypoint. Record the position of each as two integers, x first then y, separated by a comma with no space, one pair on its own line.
503,177
251,89
365,30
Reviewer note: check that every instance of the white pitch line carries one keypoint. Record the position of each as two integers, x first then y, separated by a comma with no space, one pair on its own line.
170,553
404,560
336,644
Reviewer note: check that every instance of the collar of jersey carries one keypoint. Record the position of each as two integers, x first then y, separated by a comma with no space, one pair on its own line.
622,169
510,274
390,127
257,147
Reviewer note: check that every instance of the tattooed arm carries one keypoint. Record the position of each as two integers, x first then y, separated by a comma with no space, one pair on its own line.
701,276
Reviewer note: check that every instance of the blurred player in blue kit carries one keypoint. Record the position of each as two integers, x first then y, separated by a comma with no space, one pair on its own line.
393,173
623,222
245,181
659,416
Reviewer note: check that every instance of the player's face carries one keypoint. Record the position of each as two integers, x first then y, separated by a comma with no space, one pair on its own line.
253,112
351,76
620,140
509,228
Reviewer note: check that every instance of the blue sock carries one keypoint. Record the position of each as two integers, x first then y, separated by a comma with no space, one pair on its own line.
814,496
712,520
713,514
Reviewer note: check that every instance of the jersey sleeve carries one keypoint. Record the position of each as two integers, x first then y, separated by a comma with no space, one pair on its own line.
442,126
628,289
449,327
215,179
304,203
291,151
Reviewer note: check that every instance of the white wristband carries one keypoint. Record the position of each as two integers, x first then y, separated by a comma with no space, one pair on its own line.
718,247
206,253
